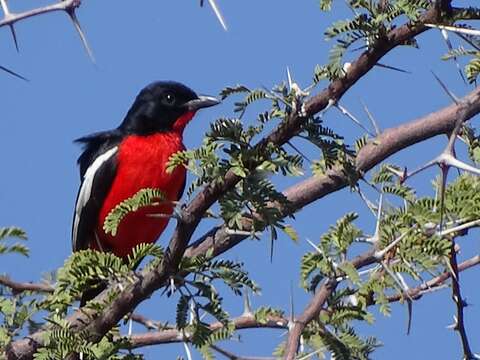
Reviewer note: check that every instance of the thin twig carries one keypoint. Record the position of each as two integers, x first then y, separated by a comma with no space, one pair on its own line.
460,305
19,287
177,336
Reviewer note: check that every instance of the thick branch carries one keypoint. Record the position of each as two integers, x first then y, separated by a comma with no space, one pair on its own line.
173,335
460,305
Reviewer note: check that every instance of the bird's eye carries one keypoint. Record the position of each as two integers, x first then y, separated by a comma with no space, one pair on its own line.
168,99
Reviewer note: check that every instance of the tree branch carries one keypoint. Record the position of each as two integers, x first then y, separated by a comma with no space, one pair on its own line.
438,281
18,287
317,303
459,325
174,335
65,5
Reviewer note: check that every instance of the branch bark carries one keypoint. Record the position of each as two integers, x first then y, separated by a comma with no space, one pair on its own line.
18,287
174,335
11,18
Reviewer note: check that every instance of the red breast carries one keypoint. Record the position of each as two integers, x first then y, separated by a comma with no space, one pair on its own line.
142,164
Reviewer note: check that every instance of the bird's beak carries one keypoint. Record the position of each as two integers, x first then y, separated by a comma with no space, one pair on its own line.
202,102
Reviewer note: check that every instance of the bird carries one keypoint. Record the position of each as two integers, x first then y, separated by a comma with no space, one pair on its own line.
116,164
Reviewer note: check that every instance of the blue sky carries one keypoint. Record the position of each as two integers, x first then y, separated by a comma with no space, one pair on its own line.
136,43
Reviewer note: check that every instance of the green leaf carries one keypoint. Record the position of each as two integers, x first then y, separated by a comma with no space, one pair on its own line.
350,271
143,198
230,90
291,232
12,231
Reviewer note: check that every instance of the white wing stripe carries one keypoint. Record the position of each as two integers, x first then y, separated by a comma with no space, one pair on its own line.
86,188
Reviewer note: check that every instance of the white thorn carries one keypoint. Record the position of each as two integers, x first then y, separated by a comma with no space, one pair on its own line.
80,32
187,351
452,161
381,253
218,14
460,30
247,306
347,67
289,79
345,112
6,11
353,300
192,313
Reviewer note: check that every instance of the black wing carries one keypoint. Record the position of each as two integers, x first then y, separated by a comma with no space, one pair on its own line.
98,165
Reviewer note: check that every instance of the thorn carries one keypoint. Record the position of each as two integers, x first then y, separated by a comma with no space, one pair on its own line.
450,48
218,14
460,30
398,173
444,87
410,311
14,36
367,202
453,326
393,68
11,72
381,253
443,184
292,305
352,299
299,152
83,38
187,351
346,67
372,119
345,112
247,306
6,11
229,231
289,79
272,243
452,161
334,264
450,270
376,235
315,246
420,169
130,324
192,313
467,40
331,102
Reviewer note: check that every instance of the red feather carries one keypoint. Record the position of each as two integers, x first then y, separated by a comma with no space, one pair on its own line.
142,164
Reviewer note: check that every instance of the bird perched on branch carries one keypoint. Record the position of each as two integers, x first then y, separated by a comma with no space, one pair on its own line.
115,165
